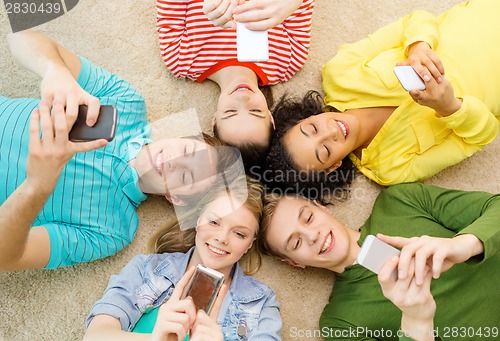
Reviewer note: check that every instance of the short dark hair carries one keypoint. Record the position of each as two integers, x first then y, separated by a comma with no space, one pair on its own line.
285,175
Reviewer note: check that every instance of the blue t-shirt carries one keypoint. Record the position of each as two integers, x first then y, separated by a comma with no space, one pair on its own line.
91,213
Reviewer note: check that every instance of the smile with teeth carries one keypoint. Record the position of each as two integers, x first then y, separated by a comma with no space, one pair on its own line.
158,162
327,243
217,251
343,128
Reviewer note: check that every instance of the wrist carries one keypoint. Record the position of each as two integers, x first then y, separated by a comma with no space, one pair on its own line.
418,329
470,242
451,108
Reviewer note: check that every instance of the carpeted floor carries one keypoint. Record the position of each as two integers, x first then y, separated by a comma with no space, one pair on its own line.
120,36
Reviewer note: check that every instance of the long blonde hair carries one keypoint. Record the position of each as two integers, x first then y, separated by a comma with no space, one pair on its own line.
172,239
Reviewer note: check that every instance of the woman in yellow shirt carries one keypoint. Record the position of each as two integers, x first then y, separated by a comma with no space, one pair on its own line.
389,135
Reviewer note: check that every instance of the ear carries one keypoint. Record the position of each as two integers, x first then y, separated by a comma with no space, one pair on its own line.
271,119
175,200
321,206
213,122
292,263
334,167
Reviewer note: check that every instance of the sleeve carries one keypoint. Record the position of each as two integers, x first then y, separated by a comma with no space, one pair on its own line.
298,28
473,126
72,244
372,59
106,86
120,296
270,324
462,212
171,27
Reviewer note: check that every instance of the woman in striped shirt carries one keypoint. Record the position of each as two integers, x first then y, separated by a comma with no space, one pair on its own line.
193,47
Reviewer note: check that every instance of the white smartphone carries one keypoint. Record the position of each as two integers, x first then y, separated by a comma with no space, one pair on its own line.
375,253
251,46
409,78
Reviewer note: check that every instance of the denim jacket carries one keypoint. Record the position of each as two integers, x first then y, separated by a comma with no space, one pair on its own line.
250,310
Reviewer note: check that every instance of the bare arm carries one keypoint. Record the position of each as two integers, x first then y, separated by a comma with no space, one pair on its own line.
22,247
59,69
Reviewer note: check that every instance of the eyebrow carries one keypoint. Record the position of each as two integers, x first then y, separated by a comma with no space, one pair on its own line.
287,241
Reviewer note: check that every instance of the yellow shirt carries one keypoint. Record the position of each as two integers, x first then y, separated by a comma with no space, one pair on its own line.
416,143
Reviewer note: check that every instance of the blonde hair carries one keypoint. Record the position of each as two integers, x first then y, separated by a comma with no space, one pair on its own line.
172,239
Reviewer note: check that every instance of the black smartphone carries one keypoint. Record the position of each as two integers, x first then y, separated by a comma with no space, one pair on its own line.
104,128
204,287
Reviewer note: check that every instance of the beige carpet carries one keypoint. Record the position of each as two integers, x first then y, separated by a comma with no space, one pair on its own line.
120,35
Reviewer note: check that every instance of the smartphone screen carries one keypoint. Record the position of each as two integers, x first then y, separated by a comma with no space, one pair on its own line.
104,128
375,253
251,46
204,287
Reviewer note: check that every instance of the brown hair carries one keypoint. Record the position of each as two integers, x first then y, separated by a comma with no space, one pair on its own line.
172,239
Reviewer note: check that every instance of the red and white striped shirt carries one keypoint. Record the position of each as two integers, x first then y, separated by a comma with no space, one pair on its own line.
193,47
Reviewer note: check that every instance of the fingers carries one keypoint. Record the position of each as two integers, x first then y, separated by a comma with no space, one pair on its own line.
60,124
385,276
398,242
220,12
93,105
90,145
35,142
181,285
46,124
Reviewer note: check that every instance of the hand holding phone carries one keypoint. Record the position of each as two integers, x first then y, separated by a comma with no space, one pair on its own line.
409,78
204,287
251,46
375,253
104,128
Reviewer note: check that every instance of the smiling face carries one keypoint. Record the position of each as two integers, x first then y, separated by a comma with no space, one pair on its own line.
224,234
321,142
242,115
176,167
309,235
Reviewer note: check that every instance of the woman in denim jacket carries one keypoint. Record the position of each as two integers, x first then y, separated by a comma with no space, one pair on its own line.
148,289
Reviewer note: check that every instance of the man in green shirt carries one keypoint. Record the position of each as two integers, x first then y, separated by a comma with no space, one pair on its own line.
448,267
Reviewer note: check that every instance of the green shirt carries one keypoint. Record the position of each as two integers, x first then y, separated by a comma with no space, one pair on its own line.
147,322
467,296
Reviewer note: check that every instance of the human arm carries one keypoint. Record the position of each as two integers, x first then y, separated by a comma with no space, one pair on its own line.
473,218
59,69
415,301
22,247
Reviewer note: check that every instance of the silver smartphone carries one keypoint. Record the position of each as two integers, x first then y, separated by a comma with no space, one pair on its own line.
204,287
375,253
409,78
251,46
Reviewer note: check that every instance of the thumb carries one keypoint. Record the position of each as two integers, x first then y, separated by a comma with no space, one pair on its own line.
88,146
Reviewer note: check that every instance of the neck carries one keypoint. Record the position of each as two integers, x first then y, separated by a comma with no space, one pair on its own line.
226,76
372,120
352,253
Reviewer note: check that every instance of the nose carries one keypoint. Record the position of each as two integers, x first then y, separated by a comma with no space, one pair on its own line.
329,131
222,236
312,236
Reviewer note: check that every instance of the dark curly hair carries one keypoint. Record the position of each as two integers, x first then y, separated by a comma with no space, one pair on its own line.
282,174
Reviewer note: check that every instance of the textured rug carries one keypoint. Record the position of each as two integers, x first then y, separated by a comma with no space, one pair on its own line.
120,36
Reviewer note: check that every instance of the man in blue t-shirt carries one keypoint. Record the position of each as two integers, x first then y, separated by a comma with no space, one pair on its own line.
62,202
